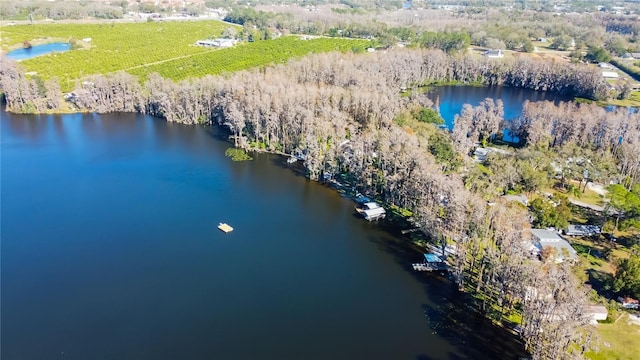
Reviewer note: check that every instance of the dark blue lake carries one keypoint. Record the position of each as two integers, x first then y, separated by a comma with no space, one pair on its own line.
110,250
37,50
450,100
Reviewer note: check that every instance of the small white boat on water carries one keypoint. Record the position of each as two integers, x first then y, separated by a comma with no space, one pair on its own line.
225,227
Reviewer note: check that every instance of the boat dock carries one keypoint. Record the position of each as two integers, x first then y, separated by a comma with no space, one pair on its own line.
432,262
371,210
429,267
225,227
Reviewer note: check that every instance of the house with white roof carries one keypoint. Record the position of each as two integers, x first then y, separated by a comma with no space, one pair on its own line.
561,248
494,54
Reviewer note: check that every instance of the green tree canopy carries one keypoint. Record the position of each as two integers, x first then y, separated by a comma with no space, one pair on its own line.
446,41
597,55
531,179
428,115
551,213
440,146
625,202
627,278
562,42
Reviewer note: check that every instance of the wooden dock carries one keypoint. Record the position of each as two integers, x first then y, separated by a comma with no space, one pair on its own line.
429,267
432,262
225,227
421,267
409,231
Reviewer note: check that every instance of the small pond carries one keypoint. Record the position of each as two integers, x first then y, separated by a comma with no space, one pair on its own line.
38,50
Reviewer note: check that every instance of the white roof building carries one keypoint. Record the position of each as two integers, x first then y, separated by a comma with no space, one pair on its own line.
494,54
220,43
548,238
598,313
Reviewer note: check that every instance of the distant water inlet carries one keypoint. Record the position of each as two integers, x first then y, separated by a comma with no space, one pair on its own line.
38,50
450,100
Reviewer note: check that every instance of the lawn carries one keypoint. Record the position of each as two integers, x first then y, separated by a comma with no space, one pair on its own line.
588,196
593,252
633,100
618,340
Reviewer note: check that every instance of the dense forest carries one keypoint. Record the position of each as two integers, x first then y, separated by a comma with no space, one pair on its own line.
343,114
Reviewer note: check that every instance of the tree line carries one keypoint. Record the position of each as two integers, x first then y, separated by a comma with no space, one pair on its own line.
615,131
401,68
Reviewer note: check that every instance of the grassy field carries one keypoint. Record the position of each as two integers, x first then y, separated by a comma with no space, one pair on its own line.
633,100
618,341
588,197
164,47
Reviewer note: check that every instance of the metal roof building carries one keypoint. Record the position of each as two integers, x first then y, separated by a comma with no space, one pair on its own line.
563,250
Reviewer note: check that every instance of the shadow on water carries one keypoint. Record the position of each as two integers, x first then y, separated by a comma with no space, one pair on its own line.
296,168
218,133
450,313
280,161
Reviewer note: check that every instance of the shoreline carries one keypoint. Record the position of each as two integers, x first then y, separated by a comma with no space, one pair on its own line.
404,248
635,104
67,107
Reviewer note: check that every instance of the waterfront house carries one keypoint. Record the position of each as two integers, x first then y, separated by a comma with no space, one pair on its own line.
370,210
372,214
561,248
368,206
610,74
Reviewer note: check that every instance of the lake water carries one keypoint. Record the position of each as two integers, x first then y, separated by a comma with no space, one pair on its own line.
38,50
452,98
110,251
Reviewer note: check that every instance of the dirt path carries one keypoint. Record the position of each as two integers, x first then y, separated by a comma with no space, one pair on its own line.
167,60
